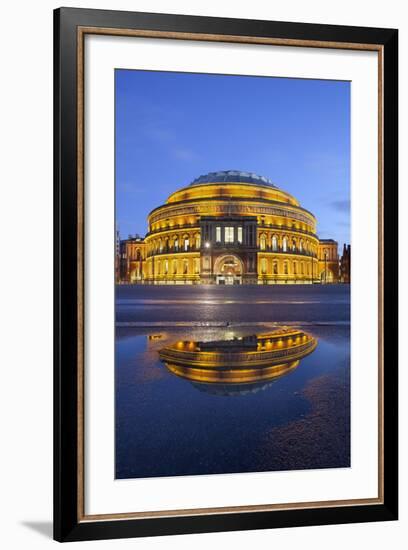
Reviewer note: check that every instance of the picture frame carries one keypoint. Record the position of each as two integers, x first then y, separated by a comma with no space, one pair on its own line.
71,26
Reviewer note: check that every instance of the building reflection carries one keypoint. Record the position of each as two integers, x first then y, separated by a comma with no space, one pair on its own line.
238,365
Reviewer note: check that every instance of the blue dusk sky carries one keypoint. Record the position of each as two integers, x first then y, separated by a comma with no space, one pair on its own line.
173,127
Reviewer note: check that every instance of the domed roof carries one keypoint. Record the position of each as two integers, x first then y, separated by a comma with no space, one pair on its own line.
232,176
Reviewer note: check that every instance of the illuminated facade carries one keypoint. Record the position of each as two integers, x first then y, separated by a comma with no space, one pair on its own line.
238,365
229,228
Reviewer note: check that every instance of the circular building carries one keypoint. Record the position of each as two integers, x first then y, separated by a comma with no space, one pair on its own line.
239,365
230,227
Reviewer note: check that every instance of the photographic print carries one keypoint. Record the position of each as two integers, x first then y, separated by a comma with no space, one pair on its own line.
222,360
232,274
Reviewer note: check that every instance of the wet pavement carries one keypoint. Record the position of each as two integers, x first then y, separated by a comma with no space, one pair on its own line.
232,304
169,424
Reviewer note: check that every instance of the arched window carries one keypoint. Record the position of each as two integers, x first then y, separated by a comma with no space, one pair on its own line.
262,241
293,245
275,268
274,243
176,244
285,244
301,246
263,266
160,246
186,243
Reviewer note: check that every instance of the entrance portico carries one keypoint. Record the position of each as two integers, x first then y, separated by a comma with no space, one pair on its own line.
228,270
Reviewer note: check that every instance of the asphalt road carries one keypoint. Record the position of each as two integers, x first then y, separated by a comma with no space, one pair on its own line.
138,305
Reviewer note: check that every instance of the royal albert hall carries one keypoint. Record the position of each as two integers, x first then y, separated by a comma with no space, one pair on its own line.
229,227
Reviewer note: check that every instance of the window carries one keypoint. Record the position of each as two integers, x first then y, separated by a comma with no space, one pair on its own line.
293,245
301,246
274,243
275,268
160,246
239,237
166,266
197,241
229,234
186,243
158,268
285,244
176,245
218,234
196,265
262,242
185,267
263,266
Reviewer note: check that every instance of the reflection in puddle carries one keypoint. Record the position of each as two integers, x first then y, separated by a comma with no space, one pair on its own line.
238,365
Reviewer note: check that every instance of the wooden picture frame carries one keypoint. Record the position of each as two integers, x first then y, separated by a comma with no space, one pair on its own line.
70,27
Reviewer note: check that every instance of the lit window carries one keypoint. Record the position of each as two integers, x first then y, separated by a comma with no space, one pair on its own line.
218,234
263,265
285,244
198,241
186,243
239,238
197,265
229,234
274,243
262,242
176,245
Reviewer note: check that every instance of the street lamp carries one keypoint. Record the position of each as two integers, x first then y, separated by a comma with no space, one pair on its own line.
207,245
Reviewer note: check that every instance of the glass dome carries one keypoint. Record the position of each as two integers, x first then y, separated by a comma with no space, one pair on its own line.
233,176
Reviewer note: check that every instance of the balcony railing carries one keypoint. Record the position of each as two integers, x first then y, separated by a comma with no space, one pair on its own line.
262,225
285,228
232,246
